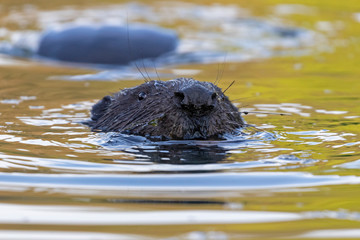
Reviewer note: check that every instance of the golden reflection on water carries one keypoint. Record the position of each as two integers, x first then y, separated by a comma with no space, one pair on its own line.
324,86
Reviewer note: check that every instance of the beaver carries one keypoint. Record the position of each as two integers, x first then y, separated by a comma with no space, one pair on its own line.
109,45
182,108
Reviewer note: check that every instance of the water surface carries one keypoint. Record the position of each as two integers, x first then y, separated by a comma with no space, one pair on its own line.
297,177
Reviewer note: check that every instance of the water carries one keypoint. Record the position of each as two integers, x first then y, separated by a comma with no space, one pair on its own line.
296,178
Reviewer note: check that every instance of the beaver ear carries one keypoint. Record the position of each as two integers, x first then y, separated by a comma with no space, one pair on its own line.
100,108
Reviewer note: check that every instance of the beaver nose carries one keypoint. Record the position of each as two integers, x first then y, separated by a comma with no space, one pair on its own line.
196,99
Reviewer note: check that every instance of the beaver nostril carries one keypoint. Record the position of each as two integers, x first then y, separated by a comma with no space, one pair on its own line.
209,107
205,107
180,95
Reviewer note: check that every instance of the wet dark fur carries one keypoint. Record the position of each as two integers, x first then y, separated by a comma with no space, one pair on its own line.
182,108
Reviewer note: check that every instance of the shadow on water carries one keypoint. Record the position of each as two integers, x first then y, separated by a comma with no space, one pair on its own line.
166,152
184,154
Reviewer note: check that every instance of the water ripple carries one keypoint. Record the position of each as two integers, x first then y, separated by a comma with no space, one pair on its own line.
63,215
140,166
199,182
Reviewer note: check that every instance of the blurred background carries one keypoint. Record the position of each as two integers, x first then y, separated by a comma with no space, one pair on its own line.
298,178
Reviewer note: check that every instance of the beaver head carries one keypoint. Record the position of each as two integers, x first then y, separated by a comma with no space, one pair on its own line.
182,108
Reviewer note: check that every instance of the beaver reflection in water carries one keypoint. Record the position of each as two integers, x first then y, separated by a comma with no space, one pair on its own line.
182,108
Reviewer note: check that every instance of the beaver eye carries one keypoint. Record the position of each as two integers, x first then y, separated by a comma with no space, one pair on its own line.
142,95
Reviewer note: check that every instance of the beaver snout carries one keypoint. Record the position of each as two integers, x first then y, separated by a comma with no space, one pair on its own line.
196,100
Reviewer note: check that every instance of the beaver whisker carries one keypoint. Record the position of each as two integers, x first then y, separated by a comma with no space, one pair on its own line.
144,67
157,74
228,86
237,99
250,126
234,112
271,113
130,49
219,77
142,74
